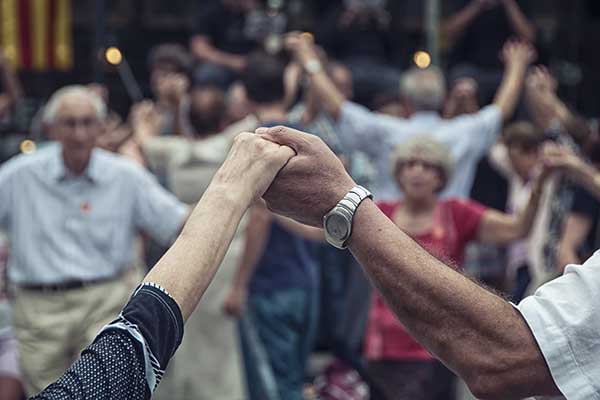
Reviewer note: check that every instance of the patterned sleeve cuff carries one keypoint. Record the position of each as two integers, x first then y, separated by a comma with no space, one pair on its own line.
153,319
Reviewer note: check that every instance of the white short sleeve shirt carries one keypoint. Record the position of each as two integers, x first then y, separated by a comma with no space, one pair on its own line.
564,317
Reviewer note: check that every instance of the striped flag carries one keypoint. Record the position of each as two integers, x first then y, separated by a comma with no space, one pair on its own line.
37,34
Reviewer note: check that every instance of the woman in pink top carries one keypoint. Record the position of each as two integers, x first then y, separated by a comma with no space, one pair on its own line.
399,366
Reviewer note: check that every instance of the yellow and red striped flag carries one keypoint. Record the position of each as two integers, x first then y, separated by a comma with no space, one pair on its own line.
37,34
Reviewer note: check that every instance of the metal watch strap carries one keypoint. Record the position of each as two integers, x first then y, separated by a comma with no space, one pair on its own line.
347,207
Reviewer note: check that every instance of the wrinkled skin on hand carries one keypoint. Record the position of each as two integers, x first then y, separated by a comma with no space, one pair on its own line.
311,183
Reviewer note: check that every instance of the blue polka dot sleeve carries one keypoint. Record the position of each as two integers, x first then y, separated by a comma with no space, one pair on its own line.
129,356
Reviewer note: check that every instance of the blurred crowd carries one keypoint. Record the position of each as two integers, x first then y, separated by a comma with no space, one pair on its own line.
481,162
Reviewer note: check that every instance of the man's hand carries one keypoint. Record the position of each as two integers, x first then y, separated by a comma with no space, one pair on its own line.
518,54
311,183
560,158
173,88
540,79
145,120
251,165
235,302
301,46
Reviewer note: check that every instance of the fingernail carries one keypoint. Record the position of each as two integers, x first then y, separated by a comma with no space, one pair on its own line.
261,130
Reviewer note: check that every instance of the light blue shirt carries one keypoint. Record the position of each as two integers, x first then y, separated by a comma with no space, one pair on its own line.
564,317
468,137
63,227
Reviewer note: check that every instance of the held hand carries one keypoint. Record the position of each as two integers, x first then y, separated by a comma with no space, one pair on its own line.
235,302
301,46
145,119
560,158
541,80
173,87
311,183
518,53
251,166
484,5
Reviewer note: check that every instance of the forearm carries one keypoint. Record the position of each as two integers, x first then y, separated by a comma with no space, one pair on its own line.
232,61
255,243
187,268
448,313
566,255
527,216
331,98
508,93
587,176
458,23
519,22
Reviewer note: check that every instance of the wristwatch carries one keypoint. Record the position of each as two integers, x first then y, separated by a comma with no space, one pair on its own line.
337,223
313,66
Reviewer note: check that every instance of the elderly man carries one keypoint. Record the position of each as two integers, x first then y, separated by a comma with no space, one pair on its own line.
469,136
72,212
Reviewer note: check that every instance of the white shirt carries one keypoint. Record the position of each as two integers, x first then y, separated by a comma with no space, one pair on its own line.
63,227
468,137
564,317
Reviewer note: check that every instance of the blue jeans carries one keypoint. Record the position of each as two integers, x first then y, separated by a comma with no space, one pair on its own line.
277,334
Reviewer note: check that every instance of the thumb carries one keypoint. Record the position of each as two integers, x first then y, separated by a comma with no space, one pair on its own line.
282,135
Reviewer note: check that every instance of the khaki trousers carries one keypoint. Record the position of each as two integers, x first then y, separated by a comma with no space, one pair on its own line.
52,328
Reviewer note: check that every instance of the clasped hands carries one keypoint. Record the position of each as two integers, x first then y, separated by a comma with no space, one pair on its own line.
295,172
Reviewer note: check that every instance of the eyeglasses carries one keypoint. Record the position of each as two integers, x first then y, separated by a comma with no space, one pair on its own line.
73,123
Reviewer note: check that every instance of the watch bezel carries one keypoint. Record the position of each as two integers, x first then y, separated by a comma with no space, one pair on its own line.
345,214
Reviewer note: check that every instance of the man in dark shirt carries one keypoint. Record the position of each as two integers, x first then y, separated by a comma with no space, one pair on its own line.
275,288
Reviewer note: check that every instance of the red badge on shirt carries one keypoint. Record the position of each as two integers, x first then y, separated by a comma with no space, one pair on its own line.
86,207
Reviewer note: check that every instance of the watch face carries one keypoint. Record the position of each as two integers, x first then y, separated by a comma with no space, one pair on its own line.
337,227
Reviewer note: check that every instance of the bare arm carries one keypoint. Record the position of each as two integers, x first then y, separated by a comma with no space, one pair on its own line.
574,233
305,54
501,228
448,313
541,99
187,268
305,231
443,310
455,25
519,22
256,239
203,49
561,157
517,58
256,235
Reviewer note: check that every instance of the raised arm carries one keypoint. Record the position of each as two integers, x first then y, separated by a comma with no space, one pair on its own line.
304,52
517,57
561,157
129,356
575,230
501,228
519,22
203,50
190,264
456,24
447,312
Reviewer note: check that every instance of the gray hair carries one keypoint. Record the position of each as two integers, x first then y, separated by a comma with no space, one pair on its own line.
57,98
426,148
425,89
